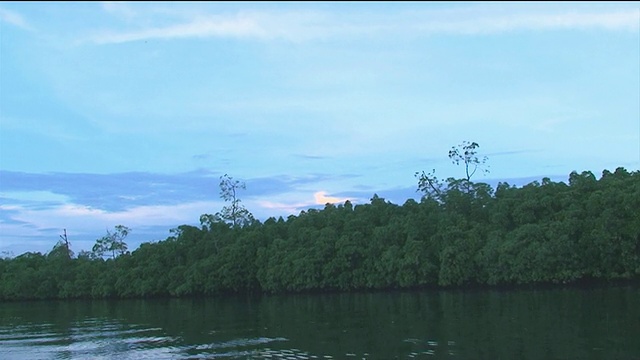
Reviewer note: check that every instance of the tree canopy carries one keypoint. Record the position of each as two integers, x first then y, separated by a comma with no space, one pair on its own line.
542,233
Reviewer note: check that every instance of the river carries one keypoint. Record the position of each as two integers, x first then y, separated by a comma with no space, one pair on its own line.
567,323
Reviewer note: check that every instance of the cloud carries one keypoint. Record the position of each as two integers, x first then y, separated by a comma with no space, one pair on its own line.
512,152
282,208
311,157
119,9
299,26
292,207
38,229
211,26
321,198
201,157
78,216
139,215
14,19
500,22
280,184
89,203
104,194
617,20
109,192
38,206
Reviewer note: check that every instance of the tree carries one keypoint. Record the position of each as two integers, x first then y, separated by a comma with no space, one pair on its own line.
429,184
65,244
464,153
84,254
112,242
235,213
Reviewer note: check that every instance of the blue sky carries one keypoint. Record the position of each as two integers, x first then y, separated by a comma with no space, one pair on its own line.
128,113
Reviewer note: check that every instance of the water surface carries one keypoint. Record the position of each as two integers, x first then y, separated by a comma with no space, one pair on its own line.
602,323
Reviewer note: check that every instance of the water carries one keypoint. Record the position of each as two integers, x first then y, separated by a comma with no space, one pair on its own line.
599,323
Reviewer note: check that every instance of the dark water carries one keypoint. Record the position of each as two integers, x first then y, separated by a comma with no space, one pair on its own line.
599,323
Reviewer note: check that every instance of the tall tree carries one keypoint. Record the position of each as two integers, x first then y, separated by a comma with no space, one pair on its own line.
466,154
234,213
112,242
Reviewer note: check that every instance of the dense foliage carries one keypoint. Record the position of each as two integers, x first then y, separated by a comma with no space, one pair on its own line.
548,232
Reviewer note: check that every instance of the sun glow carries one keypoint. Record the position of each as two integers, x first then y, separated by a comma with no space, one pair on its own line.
322,198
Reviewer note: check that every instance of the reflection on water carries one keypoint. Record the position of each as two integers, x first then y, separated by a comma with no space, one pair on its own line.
92,338
542,324
95,339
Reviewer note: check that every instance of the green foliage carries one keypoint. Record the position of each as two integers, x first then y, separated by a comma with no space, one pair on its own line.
544,232
112,243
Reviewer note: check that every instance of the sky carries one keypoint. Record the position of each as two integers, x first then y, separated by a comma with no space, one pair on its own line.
128,113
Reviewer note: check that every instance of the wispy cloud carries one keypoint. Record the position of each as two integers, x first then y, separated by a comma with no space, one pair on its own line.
135,216
310,157
312,25
201,157
511,152
15,19
108,192
119,9
499,22
211,26
118,192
